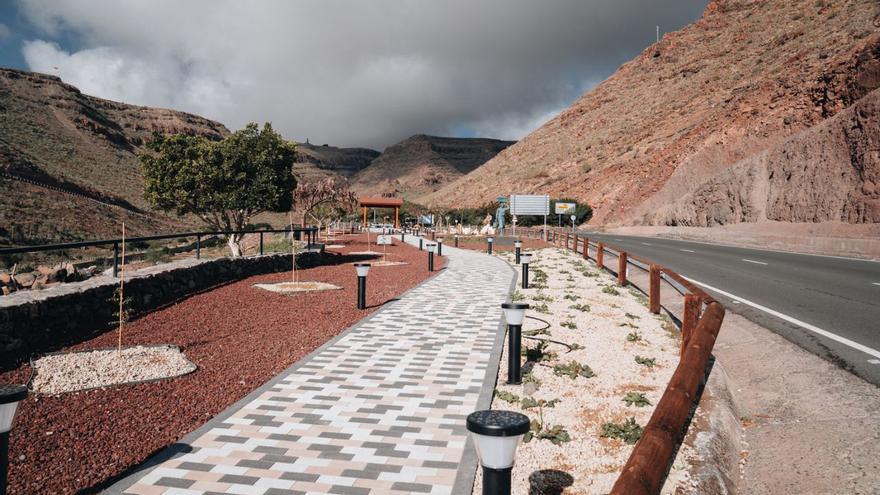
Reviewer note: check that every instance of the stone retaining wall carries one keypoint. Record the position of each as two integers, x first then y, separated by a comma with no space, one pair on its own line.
34,322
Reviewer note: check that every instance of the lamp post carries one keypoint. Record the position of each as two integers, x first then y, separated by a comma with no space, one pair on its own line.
514,313
496,435
440,247
525,258
517,245
489,241
10,396
431,248
362,270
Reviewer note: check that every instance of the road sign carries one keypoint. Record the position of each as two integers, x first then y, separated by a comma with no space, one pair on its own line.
563,208
383,240
529,204
573,218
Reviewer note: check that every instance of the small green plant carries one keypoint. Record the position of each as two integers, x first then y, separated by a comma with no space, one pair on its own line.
575,346
531,378
610,290
569,324
556,434
539,352
628,431
541,308
634,337
529,403
627,324
632,316
583,308
540,296
572,297
517,296
637,399
644,361
507,396
157,255
573,370
126,307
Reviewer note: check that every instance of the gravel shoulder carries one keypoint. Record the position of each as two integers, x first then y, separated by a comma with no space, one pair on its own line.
239,336
609,327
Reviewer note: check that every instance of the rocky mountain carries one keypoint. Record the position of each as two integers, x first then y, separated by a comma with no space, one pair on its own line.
757,112
68,165
321,161
423,164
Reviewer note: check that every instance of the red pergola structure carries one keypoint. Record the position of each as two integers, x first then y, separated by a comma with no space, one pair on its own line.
382,202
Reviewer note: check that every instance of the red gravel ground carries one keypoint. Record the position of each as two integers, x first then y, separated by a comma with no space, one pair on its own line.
238,335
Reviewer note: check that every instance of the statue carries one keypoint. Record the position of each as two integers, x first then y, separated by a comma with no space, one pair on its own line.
500,214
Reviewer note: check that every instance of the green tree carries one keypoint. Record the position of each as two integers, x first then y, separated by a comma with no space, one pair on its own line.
225,183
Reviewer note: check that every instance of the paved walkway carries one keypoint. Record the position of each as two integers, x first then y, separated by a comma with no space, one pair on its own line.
380,409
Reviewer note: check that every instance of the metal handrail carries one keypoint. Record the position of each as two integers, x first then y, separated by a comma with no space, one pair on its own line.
311,232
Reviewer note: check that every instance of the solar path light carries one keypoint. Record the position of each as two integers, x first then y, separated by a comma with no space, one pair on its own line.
421,241
456,240
489,242
525,258
362,270
514,313
496,435
10,396
517,246
439,247
432,247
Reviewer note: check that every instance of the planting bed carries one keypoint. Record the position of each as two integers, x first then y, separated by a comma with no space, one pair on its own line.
478,243
238,336
596,385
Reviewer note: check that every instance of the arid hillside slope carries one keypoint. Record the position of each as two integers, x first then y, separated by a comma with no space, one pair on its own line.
316,162
724,121
68,165
422,164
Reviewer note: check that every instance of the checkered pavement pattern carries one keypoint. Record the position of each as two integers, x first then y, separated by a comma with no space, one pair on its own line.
380,410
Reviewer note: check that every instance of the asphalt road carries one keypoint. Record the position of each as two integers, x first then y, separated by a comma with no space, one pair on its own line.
829,306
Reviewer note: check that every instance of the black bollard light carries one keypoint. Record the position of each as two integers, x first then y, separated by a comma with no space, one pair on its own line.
402,236
525,258
456,241
489,242
10,396
517,246
496,435
420,243
431,248
362,270
439,247
514,313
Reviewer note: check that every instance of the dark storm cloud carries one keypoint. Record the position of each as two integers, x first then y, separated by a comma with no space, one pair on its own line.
350,72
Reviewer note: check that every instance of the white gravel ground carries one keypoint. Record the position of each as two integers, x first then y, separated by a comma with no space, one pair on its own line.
69,372
584,404
293,287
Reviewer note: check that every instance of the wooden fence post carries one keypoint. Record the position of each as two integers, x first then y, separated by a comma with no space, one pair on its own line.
600,255
566,240
586,248
690,318
654,291
621,269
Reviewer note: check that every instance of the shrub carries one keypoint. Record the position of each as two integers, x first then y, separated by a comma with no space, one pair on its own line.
628,431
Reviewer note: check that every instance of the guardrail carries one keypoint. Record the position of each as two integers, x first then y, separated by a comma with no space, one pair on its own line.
647,467
310,232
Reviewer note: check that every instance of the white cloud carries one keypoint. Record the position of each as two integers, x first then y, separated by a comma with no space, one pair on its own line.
349,72
5,32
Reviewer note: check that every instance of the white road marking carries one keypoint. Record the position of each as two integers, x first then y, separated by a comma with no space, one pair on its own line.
874,361
806,326
875,283
687,250
618,239
647,244
755,262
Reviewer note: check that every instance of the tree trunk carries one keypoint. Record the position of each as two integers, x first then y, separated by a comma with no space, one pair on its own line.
234,243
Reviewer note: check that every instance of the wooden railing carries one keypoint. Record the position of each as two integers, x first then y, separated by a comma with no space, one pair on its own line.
647,467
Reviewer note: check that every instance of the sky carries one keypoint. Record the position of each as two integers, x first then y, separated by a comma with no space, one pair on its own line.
344,72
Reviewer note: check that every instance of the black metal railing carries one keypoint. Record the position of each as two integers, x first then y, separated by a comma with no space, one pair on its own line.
310,233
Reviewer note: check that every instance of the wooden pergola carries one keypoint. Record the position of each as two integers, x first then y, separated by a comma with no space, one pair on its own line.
382,202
